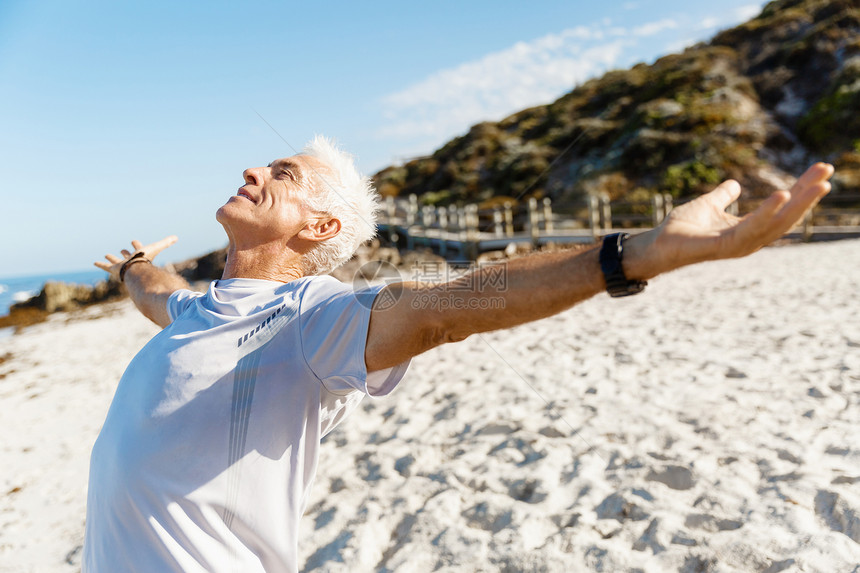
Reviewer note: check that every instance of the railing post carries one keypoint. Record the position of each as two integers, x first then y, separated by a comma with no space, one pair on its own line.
427,212
412,209
498,231
605,212
668,204
509,220
808,225
474,221
547,215
390,209
473,236
534,223
442,217
594,215
657,213
733,209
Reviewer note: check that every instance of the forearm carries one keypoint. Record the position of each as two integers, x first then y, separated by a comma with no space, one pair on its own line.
149,288
528,288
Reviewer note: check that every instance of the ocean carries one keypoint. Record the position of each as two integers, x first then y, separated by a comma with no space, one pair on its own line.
17,289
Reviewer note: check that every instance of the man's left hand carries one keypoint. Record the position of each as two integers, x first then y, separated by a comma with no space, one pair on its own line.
149,251
702,230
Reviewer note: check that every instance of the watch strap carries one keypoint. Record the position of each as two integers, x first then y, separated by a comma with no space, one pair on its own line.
611,255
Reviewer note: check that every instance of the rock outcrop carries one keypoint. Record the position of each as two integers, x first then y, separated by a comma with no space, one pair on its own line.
59,296
757,103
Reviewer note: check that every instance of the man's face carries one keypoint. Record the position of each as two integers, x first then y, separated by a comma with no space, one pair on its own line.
270,206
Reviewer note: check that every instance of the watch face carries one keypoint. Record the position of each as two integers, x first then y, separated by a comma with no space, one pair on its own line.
610,258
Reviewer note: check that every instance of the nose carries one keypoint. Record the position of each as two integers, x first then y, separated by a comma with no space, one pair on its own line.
253,176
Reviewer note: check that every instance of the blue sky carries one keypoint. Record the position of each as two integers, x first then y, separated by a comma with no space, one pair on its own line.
135,120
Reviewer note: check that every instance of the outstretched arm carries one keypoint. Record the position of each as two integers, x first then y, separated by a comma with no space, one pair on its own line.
542,285
149,286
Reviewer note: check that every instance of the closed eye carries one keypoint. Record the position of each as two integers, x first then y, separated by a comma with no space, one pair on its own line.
286,168
286,173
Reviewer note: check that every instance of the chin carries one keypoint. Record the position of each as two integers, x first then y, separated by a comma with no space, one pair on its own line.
224,212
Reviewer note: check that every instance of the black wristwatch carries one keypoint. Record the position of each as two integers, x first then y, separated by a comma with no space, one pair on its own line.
611,254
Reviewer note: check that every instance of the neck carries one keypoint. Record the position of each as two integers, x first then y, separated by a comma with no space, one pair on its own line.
266,262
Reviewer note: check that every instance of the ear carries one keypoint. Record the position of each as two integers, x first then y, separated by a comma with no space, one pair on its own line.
320,229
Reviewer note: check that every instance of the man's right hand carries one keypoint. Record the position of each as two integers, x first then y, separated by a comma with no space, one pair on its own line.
149,251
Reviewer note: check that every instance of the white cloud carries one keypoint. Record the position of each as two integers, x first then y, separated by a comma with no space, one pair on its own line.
709,22
427,113
744,13
680,45
523,75
732,18
652,28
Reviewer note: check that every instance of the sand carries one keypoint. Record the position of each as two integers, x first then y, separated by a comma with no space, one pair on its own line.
708,425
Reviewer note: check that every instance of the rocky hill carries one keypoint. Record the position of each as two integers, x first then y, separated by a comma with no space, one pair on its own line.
758,103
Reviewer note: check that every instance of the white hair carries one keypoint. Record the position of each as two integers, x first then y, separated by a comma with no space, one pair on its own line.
345,194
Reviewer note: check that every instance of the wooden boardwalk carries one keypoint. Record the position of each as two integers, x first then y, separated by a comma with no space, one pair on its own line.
463,233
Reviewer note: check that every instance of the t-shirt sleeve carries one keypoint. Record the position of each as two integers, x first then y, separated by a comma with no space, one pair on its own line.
179,301
334,321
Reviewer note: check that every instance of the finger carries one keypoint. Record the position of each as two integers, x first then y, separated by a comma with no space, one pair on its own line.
724,194
764,216
102,265
762,225
113,259
803,201
169,240
125,253
137,245
815,174
159,246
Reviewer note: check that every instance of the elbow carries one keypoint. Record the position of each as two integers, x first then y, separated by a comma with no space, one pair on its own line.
443,333
160,319
434,321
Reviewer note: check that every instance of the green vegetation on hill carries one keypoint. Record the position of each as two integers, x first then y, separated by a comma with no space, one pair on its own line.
758,102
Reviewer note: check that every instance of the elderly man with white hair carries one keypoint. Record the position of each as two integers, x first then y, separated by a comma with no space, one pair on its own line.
210,446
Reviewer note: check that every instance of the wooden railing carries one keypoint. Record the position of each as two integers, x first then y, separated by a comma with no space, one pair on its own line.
469,230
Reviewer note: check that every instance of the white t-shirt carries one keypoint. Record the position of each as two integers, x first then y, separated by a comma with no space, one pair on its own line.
207,455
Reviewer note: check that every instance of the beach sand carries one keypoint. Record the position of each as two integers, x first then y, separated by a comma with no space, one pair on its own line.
708,425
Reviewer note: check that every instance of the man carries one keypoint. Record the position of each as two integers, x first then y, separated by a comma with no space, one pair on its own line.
209,449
